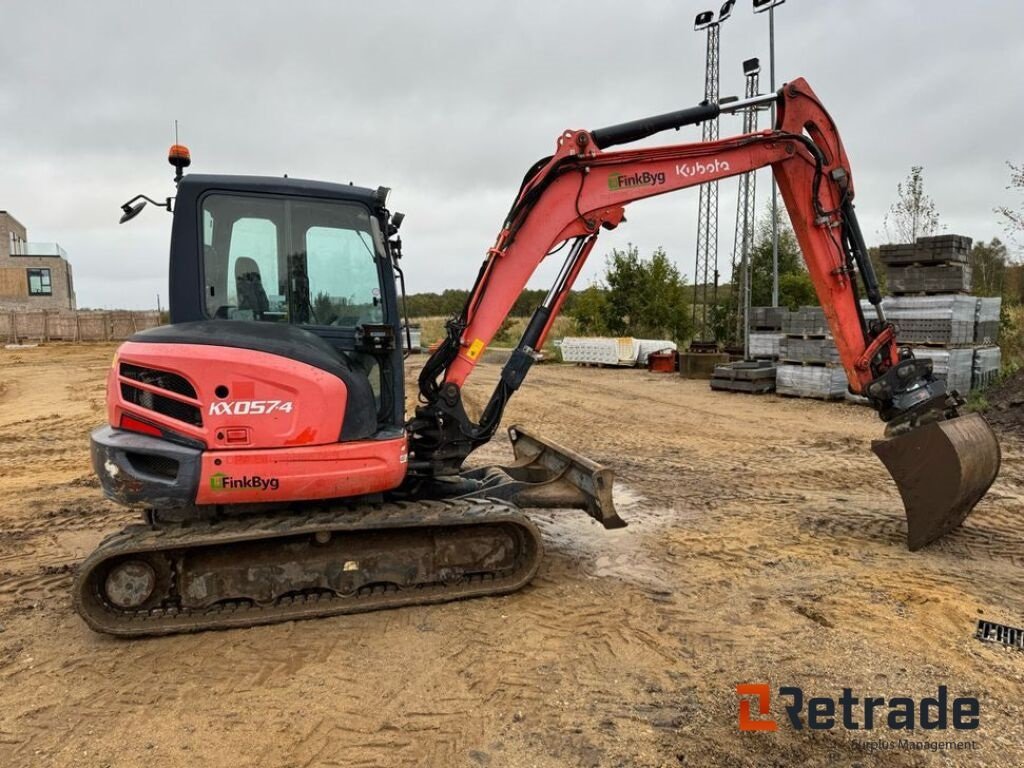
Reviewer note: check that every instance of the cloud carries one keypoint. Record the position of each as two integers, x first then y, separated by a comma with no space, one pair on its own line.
449,102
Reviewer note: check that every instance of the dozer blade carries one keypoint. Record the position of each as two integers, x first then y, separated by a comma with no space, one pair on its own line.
548,475
942,469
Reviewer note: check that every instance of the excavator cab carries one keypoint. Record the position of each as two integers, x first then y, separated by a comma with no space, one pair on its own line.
313,255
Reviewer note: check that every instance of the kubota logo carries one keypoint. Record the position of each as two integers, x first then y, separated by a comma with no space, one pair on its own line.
222,482
249,407
822,713
688,170
620,181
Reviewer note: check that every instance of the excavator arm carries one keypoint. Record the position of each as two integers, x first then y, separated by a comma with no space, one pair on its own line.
566,200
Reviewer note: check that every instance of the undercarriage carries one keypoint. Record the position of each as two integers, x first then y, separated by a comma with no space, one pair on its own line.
193,569
166,578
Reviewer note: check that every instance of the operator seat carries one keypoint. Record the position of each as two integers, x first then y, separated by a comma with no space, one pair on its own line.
249,287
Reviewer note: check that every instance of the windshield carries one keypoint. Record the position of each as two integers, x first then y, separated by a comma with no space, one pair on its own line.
290,261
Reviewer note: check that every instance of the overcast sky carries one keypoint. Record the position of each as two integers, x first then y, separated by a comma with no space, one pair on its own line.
449,102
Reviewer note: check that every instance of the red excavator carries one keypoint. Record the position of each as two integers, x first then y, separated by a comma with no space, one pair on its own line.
263,431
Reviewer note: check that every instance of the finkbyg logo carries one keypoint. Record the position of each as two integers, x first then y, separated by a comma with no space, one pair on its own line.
223,482
619,181
822,713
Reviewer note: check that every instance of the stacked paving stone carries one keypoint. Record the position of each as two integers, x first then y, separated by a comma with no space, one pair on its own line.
931,265
946,321
933,314
765,331
985,368
764,345
809,360
986,327
954,365
818,382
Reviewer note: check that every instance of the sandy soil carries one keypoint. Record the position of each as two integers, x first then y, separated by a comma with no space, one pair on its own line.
765,545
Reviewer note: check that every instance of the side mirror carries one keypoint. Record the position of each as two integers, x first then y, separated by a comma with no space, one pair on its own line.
131,211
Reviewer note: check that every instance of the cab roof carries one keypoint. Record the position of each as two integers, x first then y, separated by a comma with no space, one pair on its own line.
195,184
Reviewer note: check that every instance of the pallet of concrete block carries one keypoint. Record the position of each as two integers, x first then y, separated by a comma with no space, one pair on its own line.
985,370
939,249
766,318
765,344
597,350
930,279
820,382
815,351
943,249
942,320
806,321
755,377
986,325
954,365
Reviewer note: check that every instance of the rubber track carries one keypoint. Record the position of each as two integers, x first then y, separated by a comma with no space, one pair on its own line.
142,538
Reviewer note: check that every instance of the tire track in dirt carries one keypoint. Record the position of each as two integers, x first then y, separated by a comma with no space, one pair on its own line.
764,543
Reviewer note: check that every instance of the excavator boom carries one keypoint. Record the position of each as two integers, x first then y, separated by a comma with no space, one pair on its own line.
582,189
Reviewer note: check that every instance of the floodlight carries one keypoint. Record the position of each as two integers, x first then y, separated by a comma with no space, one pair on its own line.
704,20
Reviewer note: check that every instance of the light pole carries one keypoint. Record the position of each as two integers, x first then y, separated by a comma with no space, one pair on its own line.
705,271
760,6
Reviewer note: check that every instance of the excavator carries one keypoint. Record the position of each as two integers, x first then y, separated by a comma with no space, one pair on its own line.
263,432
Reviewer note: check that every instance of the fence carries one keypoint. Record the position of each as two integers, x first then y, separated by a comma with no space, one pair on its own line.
18,327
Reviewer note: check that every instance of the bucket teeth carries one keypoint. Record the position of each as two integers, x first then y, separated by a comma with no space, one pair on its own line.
942,470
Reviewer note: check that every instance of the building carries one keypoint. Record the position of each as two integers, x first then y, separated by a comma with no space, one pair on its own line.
32,275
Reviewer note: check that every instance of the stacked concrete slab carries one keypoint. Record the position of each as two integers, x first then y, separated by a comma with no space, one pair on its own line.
809,360
753,377
933,313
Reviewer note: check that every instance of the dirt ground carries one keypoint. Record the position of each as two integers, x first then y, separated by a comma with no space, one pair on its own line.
765,545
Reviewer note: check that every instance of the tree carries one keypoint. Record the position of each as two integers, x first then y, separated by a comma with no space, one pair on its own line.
913,215
1014,219
637,297
588,310
795,286
988,267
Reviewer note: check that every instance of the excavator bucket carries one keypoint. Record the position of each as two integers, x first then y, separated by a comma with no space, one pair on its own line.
942,469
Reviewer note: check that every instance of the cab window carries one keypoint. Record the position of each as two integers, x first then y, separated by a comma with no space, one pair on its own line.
290,260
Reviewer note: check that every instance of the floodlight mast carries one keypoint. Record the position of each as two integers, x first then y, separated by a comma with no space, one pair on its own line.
746,209
760,6
705,271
